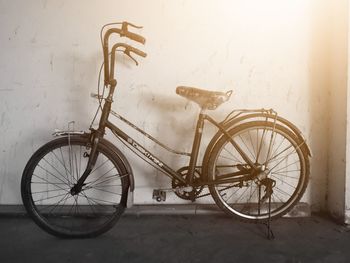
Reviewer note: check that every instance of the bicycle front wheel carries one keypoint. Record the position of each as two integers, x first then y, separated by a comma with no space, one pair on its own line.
272,191
51,173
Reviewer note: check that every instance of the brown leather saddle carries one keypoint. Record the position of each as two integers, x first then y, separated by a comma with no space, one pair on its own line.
204,98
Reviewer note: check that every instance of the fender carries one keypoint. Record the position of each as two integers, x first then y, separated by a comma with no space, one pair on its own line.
124,160
231,123
130,197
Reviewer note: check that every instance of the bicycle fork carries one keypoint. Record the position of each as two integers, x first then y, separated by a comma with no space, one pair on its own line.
96,135
76,189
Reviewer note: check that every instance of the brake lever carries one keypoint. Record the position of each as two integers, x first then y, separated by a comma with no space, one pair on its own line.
127,52
126,24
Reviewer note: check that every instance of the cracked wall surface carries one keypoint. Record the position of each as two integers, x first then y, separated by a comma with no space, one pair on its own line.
268,52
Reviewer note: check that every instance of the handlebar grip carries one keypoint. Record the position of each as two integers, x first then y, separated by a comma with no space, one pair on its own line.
135,37
137,51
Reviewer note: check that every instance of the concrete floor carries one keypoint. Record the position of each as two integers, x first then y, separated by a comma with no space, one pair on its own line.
186,238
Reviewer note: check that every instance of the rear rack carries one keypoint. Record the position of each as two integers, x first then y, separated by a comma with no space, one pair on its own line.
240,116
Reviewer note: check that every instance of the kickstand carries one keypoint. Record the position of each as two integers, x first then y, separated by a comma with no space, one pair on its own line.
270,235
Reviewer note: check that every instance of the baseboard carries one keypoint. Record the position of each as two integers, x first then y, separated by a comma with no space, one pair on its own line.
300,210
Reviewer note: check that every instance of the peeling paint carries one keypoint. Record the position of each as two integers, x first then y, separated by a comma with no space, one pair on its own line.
51,62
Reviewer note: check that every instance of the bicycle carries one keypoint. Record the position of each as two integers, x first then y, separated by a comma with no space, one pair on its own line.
256,166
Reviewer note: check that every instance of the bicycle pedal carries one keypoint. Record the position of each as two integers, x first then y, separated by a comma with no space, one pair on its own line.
159,195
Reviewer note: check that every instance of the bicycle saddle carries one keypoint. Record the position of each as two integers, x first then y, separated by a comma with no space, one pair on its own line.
204,98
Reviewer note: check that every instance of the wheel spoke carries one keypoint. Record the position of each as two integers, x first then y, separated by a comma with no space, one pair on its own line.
275,148
260,146
63,164
284,182
251,142
106,180
102,190
230,159
284,167
254,157
65,197
228,198
101,176
52,173
55,184
272,169
97,199
48,198
47,191
50,176
271,145
275,151
284,175
234,157
281,191
274,157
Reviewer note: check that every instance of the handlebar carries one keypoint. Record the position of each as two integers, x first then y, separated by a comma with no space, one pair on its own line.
127,50
128,34
136,51
123,32
135,37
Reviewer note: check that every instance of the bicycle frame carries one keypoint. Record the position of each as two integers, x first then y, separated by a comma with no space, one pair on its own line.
193,155
96,135
159,164
256,165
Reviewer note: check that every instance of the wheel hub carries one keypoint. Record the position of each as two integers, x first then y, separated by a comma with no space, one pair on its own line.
76,189
261,173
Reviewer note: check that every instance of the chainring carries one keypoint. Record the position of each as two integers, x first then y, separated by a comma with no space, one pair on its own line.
177,185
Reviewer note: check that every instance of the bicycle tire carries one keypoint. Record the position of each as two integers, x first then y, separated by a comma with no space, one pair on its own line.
50,174
251,209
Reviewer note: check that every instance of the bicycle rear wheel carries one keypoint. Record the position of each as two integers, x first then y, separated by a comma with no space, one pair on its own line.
51,173
284,168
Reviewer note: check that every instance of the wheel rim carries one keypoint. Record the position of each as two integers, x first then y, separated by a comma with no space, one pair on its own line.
283,162
95,207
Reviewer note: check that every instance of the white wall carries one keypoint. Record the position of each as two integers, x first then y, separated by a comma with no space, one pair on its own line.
337,70
269,52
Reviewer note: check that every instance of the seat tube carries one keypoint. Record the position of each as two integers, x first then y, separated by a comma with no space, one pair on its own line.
195,147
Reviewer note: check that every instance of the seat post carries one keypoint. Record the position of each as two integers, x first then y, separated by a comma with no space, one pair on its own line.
195,147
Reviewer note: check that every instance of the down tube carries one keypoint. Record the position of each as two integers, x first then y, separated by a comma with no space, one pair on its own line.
162,166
